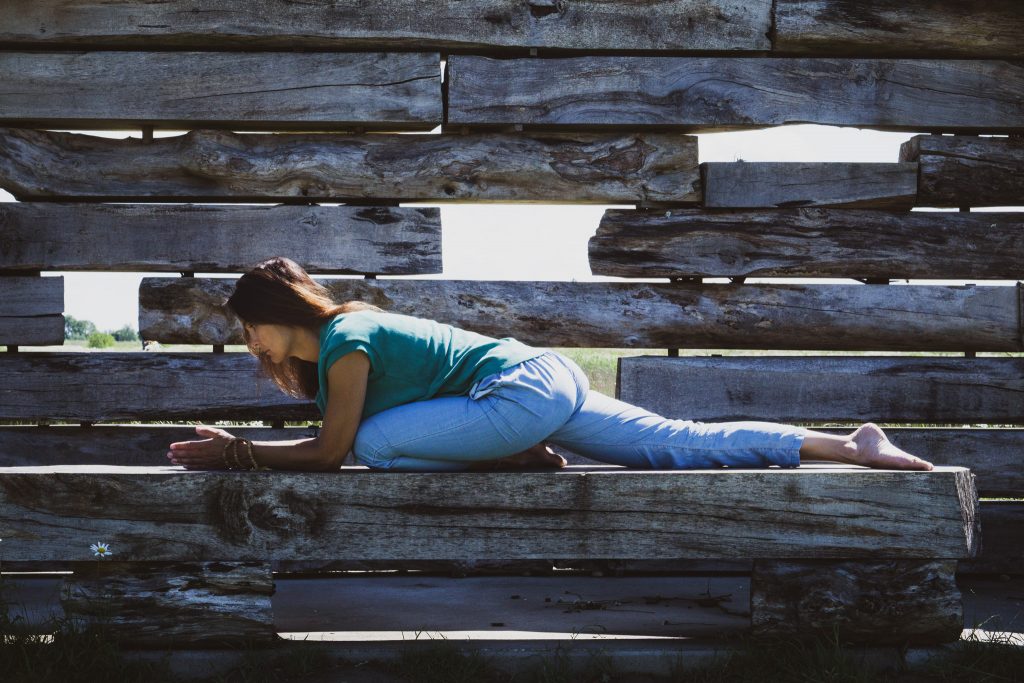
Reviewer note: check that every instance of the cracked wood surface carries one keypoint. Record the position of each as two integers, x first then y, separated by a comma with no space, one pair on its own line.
711,94
160,238
238,91
31,308
211,165
608,25
639,315
168,513
960,171
809,242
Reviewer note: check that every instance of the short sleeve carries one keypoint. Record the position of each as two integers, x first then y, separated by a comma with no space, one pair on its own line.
346,346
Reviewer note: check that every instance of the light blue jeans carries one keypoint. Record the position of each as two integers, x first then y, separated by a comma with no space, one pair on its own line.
548,398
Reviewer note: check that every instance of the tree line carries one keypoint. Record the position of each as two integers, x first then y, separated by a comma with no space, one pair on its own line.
86,330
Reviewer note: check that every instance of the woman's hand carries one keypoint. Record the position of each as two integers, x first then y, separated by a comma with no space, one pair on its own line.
206,454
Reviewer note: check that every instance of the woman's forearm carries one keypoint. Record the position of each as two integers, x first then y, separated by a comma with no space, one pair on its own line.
297,454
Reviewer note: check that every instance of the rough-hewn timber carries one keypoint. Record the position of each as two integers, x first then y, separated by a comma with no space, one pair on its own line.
808,242
168,513
639,315
767,184
31,308
890,28
173,604
893,602
237,91
709,94
959,171
322,239
222,166
827,388
610,25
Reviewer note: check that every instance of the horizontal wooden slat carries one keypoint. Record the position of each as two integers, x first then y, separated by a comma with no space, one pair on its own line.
323,239
827,388
403,24
808,242
744,184
995,456
967,171
49,513
892,28
639,315
709,94
238,91
223,166
1002,527
108,386
31,308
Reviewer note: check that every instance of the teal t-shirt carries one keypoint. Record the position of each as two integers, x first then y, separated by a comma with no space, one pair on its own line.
413,359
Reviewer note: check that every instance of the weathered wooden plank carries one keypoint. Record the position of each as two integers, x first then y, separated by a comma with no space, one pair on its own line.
827,388
639,315
215,165
176,514
760,184
237,91
947,28
1002,524
709,94
967,171
322,239
101,387
172,604
893,602
610,25
31,308
995,456
808,242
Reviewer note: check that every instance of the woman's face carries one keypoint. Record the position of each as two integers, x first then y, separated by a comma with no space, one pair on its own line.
266,339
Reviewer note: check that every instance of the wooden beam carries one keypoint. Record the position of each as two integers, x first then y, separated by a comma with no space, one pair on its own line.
208,165
827,388
743,184
168,513
890,28
31,308
238,91
958,171
161,238
710,94
808,242
612,25
639,315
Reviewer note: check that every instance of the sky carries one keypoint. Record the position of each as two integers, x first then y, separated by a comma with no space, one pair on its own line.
527,242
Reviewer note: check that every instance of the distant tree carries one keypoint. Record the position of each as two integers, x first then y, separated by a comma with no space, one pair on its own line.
126,333
101,340
77,329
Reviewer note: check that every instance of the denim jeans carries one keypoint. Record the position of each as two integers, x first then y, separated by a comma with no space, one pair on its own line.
548,398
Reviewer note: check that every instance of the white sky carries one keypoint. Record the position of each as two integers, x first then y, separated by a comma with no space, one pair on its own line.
527,242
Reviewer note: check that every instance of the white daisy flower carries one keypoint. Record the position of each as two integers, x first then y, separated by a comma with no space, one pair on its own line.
100,549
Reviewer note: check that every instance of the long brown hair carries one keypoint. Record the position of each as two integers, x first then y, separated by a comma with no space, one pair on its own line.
279,291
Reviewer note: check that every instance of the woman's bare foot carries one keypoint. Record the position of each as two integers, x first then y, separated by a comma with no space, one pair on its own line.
875,450
540,455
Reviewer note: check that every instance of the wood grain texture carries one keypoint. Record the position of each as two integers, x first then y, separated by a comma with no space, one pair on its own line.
892,602
168,513
1002,523
237,91
967,171
638,315
607,25
942,28
106,386
172,605
827,388
808,242
710,94
210,165
995,456
322,239
31,308
761,184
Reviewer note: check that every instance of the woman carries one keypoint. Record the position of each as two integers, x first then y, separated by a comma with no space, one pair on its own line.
413,394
